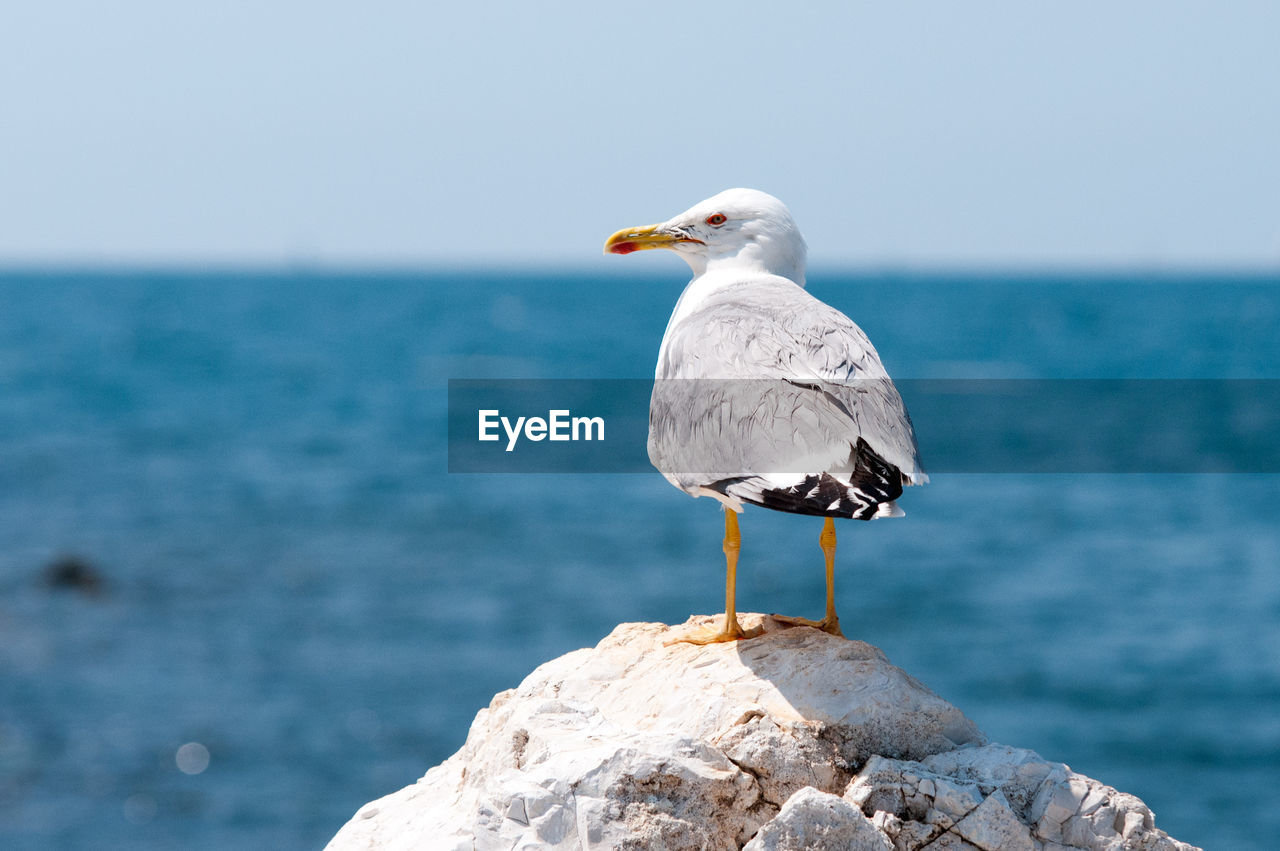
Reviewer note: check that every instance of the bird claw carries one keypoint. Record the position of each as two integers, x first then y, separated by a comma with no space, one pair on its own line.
710,635
831,626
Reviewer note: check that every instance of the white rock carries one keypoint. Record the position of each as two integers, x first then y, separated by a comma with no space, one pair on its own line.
992,826
816,821
634,744
938,799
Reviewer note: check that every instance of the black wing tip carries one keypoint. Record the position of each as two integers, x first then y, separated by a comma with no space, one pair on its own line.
874,482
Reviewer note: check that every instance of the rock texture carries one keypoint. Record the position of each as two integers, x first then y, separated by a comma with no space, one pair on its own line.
793,740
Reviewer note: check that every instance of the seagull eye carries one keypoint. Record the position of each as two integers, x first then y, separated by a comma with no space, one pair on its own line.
716,219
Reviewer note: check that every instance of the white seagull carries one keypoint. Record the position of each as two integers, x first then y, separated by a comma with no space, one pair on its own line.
789,406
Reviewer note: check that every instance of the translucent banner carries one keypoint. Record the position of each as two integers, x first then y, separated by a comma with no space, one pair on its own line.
961,425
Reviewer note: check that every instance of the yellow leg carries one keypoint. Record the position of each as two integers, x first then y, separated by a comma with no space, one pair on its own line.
827,540
732,546
830,623
732,630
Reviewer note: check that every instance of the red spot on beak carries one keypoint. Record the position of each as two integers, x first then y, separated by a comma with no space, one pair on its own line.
623,248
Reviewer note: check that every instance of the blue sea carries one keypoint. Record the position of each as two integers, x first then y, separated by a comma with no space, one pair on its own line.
298,609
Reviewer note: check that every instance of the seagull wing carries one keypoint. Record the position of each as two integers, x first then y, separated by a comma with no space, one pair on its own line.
768,395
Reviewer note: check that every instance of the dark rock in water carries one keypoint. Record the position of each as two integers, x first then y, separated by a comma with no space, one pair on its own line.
72,573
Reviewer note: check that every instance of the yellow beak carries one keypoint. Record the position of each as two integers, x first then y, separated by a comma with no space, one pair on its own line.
628,240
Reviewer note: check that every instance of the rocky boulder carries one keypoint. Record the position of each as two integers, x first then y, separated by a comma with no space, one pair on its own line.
792,740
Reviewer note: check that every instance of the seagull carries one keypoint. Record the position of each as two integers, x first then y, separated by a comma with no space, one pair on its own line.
764,395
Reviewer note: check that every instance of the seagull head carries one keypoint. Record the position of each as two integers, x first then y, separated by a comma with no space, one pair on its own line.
739,229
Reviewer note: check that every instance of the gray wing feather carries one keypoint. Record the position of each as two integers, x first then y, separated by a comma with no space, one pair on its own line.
765,380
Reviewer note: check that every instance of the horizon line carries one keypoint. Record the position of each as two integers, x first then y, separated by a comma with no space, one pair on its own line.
542,268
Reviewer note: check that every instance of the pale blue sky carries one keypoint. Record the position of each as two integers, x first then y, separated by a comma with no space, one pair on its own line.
1008,134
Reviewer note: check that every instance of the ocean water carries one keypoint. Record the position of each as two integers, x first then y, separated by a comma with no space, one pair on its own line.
293,587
